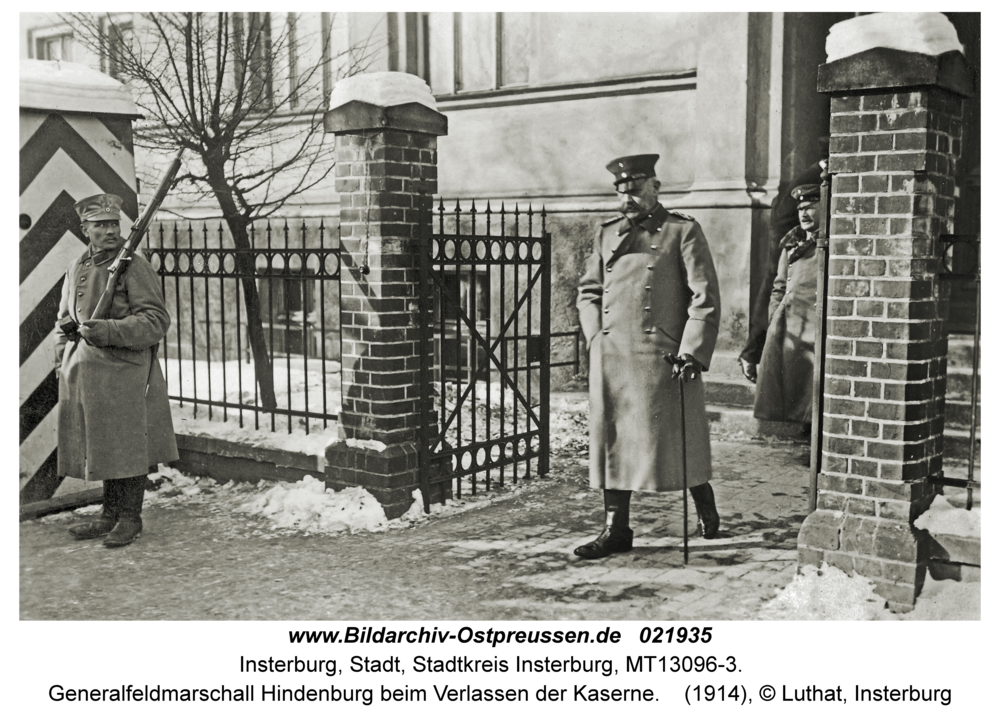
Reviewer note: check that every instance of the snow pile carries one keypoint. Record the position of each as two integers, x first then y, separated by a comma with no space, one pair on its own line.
375,445
929,33
173,487
310,506
306,506
942,518
828,593
384,88
947,600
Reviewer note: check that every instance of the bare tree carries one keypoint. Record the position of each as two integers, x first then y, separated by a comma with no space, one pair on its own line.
236,95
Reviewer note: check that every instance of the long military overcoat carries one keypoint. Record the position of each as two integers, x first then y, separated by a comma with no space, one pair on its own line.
785,374
648,291
107,429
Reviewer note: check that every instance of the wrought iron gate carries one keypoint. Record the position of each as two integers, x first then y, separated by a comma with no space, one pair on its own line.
485,287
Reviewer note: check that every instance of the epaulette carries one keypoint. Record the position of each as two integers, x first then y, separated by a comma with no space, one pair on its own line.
612,220
681,215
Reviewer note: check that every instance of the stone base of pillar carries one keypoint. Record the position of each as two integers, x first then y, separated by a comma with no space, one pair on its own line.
390,475
891,553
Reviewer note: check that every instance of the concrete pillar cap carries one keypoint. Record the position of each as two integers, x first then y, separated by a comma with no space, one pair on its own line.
927,33
383,89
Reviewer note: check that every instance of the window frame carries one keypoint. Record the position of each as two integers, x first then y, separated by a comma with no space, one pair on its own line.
496,42
261,58
38,36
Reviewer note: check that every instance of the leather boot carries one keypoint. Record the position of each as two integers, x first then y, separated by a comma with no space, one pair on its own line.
129,525
109,516
708,516
616,536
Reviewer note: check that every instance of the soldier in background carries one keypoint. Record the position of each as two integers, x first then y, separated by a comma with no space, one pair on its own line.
649,308
784,217
785,381
114,416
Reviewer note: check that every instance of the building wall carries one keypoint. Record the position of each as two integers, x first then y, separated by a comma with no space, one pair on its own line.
538,103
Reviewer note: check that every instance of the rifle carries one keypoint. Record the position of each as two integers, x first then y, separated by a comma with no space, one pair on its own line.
69,326
116,268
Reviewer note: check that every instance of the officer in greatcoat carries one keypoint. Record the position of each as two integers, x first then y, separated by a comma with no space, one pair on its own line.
649,308
785,375
114,416
784,217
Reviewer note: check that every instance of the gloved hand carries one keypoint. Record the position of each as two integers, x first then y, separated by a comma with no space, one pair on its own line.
96,332
749,370
684,366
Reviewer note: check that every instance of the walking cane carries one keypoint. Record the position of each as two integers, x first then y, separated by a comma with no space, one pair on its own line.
674,360
684,466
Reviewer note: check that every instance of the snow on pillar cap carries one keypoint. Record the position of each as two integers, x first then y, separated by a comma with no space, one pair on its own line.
928,33
384,89
72,87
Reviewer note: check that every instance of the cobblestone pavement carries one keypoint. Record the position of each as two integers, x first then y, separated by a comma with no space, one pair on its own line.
510,560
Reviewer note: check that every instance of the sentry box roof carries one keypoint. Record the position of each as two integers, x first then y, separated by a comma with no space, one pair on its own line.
59,86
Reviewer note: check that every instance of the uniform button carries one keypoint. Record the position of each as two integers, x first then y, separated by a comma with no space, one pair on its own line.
649,267
646,309
648,288
80,293
649,331
86,264
652,247
606,332
607,290
607,269
606,311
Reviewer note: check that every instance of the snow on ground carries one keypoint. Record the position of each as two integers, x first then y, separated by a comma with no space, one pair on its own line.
306,506
315,443
943,518
828,593
298,385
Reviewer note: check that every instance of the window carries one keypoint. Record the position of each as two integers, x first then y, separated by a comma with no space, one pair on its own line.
252,36
408,48
474,47
288,306
54,46
513,43
119,40
469,291
326,24
293,67
492,50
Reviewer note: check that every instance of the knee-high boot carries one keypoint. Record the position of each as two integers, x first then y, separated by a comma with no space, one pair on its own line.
616,536
708,516
109,516
129,525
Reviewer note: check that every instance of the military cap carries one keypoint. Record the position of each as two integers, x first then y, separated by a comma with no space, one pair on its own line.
99,207
806,195
633,167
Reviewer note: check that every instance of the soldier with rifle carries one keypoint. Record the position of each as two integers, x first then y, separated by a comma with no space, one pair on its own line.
114,417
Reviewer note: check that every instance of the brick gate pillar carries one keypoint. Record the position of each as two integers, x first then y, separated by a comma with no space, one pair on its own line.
895,131
386,131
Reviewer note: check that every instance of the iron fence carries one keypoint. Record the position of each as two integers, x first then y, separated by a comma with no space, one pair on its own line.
485,278
282,294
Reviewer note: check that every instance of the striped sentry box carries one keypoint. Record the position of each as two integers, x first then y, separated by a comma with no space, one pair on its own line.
75,141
